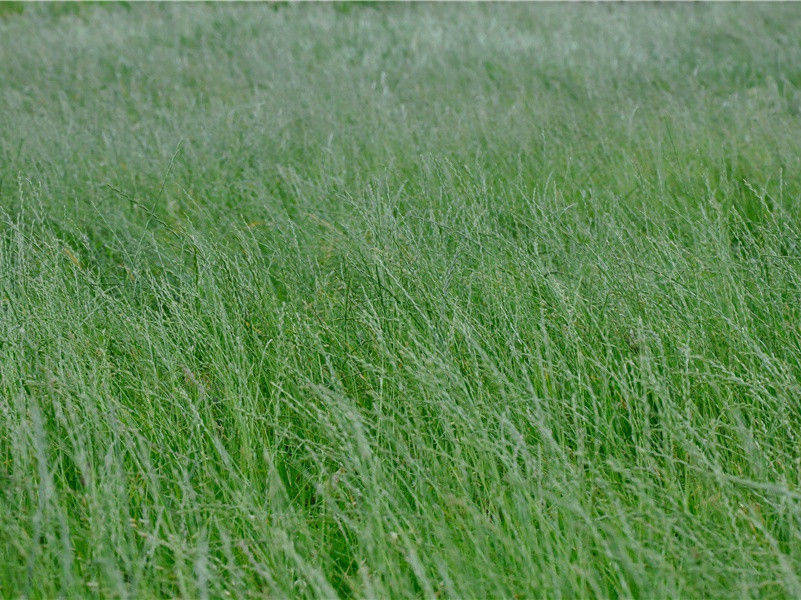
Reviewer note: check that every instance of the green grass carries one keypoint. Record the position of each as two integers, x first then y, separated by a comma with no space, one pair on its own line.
400,301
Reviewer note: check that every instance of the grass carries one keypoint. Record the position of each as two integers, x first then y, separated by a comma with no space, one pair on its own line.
400,301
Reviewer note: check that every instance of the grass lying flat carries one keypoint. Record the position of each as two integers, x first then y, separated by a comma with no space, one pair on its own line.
451,301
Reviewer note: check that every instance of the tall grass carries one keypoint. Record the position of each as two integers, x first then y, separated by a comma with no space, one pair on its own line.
400,301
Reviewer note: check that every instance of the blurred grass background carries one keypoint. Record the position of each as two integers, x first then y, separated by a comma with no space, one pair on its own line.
400,300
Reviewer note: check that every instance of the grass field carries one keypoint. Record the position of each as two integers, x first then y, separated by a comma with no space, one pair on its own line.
400,301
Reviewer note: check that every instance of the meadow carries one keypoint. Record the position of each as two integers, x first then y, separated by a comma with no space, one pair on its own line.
400,301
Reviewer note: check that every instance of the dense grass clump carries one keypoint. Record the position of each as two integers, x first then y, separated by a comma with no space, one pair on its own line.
400,301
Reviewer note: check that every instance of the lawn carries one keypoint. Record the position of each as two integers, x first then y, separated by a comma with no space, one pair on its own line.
437,301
